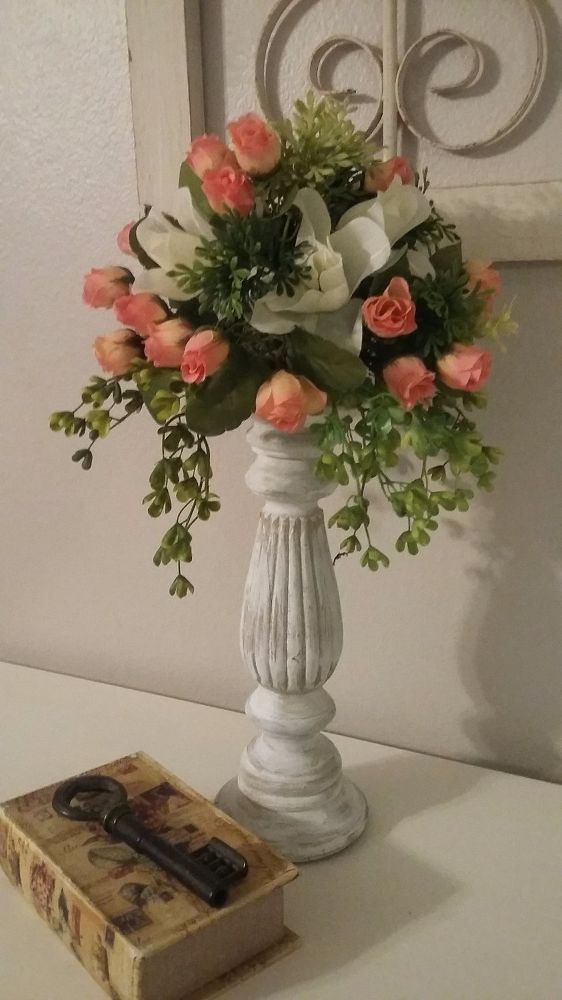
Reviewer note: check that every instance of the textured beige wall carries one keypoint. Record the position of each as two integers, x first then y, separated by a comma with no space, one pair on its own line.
456,652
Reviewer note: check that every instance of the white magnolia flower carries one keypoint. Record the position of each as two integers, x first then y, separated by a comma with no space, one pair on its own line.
169,246
397,210
339,262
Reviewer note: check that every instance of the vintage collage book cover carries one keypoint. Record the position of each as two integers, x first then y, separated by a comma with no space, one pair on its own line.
138,932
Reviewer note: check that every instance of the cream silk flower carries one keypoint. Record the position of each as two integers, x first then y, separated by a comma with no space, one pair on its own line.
168,245
339,261
397,210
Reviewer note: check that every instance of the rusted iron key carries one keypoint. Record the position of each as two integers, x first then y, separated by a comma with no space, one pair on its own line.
209,871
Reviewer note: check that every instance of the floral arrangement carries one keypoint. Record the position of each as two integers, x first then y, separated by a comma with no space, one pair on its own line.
296,276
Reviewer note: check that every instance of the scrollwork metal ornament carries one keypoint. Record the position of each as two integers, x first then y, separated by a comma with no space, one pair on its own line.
391,73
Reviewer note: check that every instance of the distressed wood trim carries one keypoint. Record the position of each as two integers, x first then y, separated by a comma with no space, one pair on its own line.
164,40
506,221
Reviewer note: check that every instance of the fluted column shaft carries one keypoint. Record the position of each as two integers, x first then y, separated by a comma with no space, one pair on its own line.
290,787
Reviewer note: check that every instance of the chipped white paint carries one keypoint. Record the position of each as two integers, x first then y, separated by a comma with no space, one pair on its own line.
394,71
165,69
290,788
488,217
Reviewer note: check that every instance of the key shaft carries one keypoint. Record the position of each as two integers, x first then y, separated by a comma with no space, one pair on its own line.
121,823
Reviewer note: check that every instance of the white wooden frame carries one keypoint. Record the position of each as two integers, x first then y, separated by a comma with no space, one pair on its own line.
164,39
503,221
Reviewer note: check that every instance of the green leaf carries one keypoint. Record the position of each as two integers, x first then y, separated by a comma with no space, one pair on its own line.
227,398
99,421
190,180
181,586
159,398
448,258
164,404
324,363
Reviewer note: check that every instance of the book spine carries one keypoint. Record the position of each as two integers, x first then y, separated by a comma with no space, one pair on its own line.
82,928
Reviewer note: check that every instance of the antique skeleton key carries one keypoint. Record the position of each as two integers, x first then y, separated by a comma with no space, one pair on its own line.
208,871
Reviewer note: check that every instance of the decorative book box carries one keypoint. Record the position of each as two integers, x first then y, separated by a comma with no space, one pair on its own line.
136,930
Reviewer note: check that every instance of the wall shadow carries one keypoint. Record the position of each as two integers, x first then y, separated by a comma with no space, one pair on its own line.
511,652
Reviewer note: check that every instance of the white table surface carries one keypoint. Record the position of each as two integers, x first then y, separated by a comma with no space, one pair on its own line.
453,893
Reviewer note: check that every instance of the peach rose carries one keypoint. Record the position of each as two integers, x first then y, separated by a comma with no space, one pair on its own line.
116,351
208,152
409,380
123,241
103,285
204,353
379,176
256,145
286,401
141,311
166,342
467,367
392,314
486,278
226,188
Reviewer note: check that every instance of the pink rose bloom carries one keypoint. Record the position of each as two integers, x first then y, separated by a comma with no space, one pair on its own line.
116,351
141,311
286,401
166,342
208,152
392,314
123,241
379,176
203,355
103,285
226,188
467,367
409,381
486,278
257,146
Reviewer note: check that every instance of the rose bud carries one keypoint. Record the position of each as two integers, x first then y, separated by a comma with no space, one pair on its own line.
140,311
286,401
166,342
466,367
392,314
409,381
103,285
485,279
116,352
204,353
226,188
123,239
256,145
208,152
379,176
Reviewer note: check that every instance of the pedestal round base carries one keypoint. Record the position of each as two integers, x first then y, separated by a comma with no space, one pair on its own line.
305,834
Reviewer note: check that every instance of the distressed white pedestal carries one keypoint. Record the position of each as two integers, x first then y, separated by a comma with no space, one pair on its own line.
290,788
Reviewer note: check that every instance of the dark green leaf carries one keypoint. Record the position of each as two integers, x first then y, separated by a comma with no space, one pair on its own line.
190,180
448,258
227,398
324,363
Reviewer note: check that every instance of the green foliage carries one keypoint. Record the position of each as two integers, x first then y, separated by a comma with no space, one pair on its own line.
183,473
432,233
446,312
227,398
324,363
365,446
188,178
247,257
98,421
321,148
